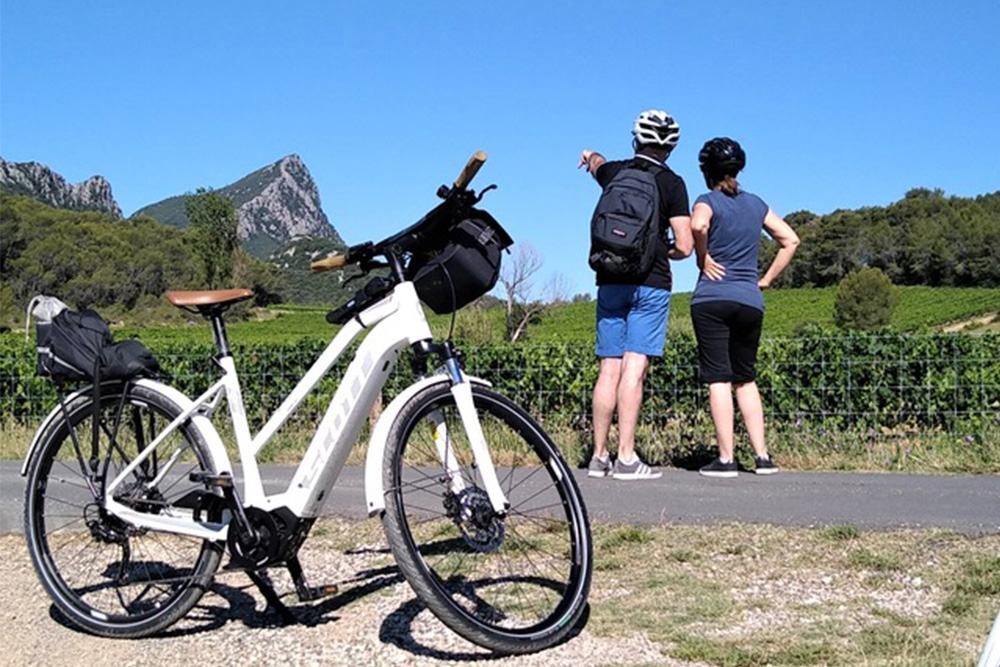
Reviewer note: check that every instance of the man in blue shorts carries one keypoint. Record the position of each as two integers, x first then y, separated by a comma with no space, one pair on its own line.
632,312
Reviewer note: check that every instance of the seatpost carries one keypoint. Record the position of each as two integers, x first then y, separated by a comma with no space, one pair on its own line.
219,331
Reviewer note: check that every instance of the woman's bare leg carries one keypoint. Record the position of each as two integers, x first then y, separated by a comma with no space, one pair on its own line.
720,398
752,409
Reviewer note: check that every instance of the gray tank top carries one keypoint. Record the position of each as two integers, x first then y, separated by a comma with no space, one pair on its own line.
733,242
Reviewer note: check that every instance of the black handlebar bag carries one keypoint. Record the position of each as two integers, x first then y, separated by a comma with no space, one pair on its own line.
466,268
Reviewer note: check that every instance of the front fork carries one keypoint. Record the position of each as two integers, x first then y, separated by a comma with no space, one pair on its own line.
461,390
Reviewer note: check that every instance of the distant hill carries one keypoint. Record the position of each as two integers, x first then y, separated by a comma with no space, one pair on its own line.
303,286
276,204
39,182
925,238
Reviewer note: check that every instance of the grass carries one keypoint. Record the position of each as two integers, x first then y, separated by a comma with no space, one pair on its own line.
749,596
848,451
690,445
840,533
865,559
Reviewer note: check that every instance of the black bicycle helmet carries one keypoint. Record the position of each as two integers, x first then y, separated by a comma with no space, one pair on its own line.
722,157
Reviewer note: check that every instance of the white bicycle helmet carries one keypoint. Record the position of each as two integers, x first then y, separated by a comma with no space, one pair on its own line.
656,128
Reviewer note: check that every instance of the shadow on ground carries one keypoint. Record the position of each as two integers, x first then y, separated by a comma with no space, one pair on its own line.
238,605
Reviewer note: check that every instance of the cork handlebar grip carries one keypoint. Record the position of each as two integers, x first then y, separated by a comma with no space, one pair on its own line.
475,162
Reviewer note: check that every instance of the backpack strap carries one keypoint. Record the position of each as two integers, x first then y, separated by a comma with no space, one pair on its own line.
636,162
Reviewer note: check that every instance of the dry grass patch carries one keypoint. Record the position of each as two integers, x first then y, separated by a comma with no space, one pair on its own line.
742,596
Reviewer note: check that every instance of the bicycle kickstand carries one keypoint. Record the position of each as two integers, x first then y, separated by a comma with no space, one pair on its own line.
263,581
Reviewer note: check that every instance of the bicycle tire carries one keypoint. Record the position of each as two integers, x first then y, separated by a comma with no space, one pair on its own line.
478,570
105,576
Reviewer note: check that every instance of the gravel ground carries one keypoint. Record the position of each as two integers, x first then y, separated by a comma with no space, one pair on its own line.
375,620
767,585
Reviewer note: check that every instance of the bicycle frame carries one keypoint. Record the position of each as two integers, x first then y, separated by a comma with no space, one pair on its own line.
396,321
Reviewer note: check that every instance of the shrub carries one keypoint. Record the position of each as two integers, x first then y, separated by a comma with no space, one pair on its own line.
865,300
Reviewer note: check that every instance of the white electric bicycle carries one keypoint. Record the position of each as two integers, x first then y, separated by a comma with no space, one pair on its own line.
130,507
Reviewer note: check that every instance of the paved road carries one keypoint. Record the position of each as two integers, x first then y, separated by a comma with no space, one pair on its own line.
966,503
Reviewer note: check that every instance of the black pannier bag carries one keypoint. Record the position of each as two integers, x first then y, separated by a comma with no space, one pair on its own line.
76,347
466,268
71,350
128,359
79,347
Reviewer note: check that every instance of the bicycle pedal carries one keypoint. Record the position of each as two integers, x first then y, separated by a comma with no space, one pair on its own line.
310,593
224,481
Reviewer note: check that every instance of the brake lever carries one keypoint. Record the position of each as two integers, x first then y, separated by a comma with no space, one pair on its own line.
482,193
353,278
366,266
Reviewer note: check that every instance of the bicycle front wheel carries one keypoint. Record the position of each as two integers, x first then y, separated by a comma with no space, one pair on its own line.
515,581
105,575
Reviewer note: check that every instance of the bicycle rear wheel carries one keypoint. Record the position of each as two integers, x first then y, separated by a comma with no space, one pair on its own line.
105,575
514,582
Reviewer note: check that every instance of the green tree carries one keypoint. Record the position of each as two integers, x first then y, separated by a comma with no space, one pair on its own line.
265,279
214,223
865,300
86,258
926,238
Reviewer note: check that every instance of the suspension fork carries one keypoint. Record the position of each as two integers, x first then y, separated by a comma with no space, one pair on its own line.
461,390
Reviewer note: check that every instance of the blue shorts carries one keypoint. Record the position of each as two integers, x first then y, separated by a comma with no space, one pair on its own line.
631,318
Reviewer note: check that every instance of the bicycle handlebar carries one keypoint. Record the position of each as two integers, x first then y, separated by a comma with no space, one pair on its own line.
364,251
471,168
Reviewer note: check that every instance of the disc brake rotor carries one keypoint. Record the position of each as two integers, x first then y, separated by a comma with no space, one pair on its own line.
470,509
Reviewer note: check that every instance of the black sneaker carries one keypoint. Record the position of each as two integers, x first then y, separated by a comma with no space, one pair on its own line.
719,469
764,465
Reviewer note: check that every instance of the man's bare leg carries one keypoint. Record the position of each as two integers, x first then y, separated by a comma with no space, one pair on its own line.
633,373
605,399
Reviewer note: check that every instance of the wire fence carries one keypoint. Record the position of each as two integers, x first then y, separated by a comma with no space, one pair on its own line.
829,393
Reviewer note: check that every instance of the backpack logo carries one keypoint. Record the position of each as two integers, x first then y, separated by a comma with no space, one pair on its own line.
625,224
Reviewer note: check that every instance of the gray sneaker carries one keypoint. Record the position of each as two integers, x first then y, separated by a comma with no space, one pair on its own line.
599,468
634,471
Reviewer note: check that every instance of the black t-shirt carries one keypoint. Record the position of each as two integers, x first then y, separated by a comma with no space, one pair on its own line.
673,203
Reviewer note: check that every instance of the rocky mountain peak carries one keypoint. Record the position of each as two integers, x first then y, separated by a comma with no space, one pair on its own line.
280,201
37,181
275,204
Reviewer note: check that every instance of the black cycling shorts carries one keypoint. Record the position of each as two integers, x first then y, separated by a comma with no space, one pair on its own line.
728,335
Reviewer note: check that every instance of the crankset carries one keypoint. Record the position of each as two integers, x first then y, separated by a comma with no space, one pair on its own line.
259,546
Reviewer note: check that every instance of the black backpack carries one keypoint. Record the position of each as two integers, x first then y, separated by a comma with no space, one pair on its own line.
625,224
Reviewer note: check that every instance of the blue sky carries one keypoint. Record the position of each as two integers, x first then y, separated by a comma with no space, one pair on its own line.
838,105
